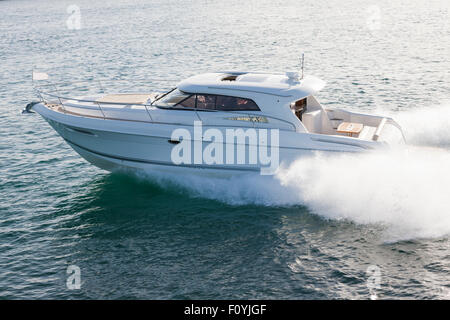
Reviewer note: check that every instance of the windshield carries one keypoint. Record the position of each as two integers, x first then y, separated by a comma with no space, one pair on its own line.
172,98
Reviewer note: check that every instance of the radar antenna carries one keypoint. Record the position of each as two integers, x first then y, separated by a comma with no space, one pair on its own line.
303,65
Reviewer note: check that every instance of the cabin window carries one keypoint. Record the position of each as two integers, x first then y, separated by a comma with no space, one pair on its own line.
206,101
180,99
226,103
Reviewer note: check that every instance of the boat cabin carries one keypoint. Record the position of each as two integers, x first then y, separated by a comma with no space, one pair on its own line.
276,97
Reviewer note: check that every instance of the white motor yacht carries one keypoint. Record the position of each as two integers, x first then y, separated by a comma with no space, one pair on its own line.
214,123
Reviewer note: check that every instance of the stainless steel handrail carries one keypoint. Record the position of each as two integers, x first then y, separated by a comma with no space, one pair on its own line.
63,99
104,118
42,94
395,124
92,101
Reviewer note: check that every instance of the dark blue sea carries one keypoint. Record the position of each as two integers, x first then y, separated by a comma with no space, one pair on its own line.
346,227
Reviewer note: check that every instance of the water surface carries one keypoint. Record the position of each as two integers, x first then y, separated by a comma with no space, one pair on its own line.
303,234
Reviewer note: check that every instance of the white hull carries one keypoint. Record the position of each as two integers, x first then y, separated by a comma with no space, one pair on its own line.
128,145
119,165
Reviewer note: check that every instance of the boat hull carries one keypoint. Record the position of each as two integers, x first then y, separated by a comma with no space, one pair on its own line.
115,145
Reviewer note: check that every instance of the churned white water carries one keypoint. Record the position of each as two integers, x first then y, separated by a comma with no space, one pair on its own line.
406,189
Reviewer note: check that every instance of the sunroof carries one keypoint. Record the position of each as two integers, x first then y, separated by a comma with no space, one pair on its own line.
229,77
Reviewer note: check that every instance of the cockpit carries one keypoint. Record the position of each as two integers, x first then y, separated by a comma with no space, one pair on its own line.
299,107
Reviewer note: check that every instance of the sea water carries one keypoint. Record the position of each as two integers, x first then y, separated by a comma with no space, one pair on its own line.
335,227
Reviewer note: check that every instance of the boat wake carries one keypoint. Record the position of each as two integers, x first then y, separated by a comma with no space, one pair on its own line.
426,126
404,190
407,191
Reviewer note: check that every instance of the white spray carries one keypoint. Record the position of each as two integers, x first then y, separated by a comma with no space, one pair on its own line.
407,190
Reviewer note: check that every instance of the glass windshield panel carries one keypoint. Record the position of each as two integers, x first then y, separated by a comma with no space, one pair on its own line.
187,103
173,98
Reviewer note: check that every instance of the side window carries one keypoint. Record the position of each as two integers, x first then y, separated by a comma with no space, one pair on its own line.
226,103
187,103
206,101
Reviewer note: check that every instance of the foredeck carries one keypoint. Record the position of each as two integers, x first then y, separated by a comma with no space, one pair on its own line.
127,107
128,98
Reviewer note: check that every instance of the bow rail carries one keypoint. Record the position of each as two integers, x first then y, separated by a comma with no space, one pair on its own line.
96,104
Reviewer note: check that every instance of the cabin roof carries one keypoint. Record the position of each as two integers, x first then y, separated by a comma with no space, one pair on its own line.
277,84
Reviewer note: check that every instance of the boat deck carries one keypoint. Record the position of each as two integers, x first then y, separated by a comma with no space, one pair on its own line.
128,98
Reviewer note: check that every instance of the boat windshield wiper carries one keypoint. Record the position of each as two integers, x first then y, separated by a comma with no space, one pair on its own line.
162,96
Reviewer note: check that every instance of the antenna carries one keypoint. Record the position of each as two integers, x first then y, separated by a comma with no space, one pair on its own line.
303,64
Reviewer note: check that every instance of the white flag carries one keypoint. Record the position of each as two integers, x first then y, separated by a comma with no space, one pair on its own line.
40,76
